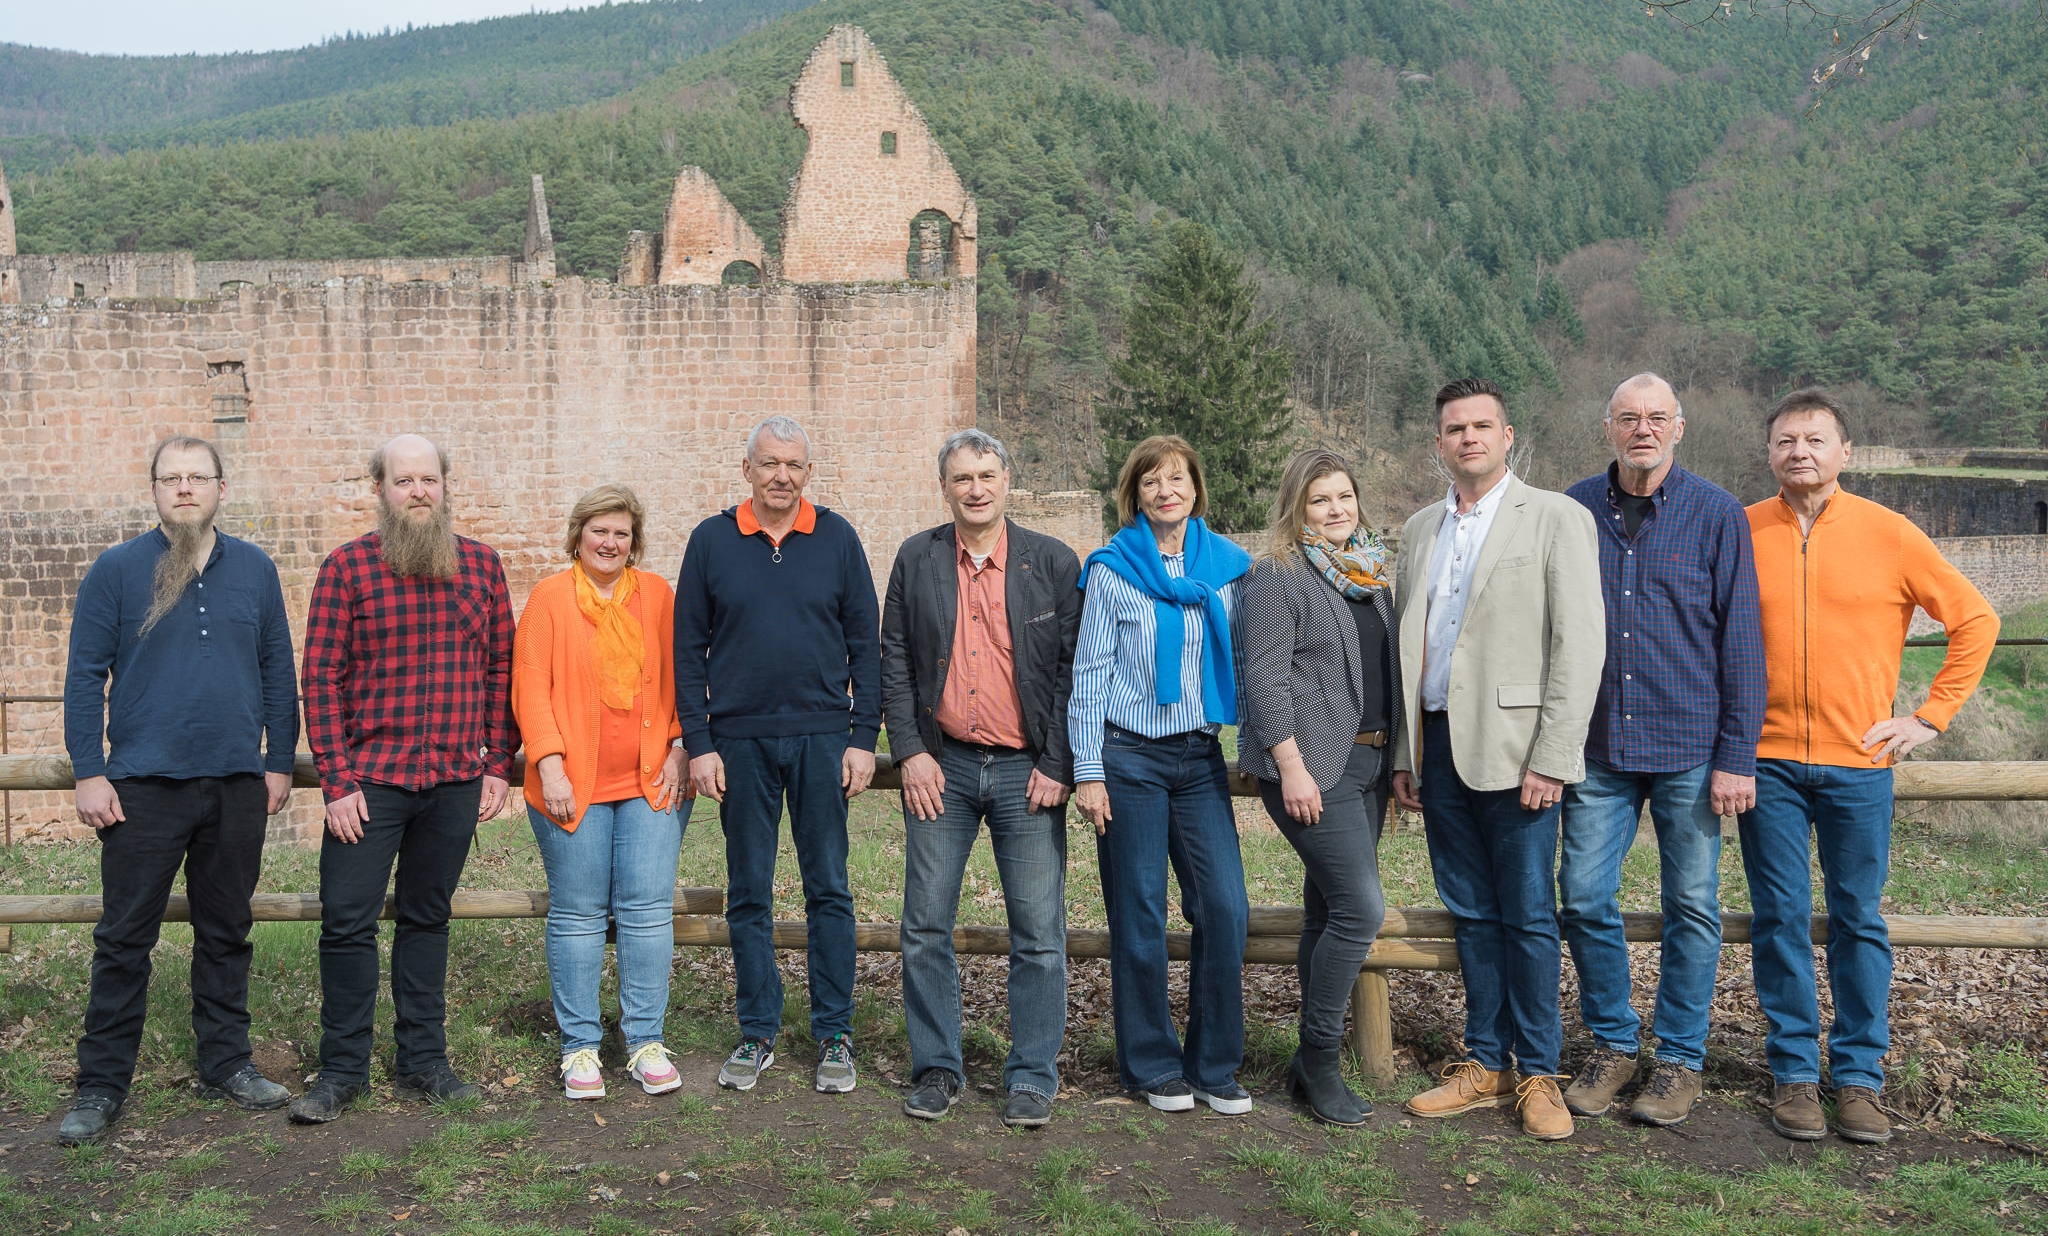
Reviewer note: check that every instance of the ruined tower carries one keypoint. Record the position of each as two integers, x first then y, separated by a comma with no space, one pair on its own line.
702,235
875,193
539,253
6,217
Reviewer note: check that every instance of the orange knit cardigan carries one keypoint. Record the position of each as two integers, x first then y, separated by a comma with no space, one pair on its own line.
555,688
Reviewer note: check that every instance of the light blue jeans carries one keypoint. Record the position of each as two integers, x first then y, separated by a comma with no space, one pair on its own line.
619,863
1600,816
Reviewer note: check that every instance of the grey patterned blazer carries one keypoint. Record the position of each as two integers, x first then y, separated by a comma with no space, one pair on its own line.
1299,672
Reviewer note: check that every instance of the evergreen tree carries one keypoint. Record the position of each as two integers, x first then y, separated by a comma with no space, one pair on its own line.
1203,365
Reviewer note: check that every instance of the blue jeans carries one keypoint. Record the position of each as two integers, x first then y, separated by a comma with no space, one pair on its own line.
1848,811
1169,801
1600,816
759,774
619,863
1495,866
1031,858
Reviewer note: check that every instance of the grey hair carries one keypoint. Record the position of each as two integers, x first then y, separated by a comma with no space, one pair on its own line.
780,428
979,441
1645,379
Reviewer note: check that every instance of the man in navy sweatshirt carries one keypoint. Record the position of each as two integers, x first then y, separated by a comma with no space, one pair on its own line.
778,684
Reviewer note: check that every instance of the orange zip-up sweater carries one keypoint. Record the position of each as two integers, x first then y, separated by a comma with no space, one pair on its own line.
555,688
1836,603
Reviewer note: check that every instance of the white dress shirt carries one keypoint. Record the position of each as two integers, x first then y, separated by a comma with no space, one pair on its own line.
1459,539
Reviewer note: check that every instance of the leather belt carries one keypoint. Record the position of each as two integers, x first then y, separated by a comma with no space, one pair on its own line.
1372,738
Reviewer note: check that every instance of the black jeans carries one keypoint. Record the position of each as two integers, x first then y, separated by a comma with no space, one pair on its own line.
1340,889
429,833
213,828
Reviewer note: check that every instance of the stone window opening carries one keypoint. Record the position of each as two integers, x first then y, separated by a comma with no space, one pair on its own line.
931,247
846,73
2041,518
888,143
740,275
78,291
229,385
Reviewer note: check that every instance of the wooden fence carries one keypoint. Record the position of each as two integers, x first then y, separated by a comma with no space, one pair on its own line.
1410,939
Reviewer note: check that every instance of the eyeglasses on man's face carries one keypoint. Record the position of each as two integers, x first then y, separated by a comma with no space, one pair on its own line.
195,480
1629,423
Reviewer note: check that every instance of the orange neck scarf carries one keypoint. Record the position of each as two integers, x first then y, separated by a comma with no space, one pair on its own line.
621,645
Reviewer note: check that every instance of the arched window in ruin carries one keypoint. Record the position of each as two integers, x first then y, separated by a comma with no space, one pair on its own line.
931,247
233,287
740,274
2041,518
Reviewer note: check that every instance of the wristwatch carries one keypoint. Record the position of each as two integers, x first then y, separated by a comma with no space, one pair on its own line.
1929,724
677,744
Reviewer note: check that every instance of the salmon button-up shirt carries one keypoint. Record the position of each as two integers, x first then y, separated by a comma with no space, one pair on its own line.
979,703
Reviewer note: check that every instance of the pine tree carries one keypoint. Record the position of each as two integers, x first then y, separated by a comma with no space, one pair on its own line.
1203,365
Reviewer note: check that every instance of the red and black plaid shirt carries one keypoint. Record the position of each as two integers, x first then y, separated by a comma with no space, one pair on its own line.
408,681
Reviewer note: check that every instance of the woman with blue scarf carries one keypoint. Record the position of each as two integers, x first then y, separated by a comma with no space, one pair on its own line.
1319,665
1154,681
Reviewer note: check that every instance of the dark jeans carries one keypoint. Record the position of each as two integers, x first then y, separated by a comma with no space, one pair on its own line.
1496,870
1846,815
759,774
1031,859
213,827
1169,800
429,833
1340,889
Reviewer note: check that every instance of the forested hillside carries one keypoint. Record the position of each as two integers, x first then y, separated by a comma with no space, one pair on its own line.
505,66
1507,187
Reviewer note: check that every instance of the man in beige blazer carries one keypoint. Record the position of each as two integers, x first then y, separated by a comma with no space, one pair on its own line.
1497,595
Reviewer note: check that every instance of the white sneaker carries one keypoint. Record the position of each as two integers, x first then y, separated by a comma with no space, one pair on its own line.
581,1078
651,1068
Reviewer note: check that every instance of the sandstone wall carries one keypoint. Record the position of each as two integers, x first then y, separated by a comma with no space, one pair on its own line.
1959,505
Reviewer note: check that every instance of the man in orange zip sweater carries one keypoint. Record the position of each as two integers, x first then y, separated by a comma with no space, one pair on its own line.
1838,578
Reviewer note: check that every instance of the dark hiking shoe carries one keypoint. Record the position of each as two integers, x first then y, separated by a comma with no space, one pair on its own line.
1858,1116
1601,1078
437,1083
1171,1096
1795,1112
247,1087
326,1100
745,1065
933,1096
1027,1110
88,1119
1668,1096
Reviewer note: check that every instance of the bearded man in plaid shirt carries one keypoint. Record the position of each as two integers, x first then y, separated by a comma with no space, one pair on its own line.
408,711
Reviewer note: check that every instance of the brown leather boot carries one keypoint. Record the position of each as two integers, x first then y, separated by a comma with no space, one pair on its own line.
1858,1116
1795,1112
1668,1096
1468,1084
1603,1075
1541,1103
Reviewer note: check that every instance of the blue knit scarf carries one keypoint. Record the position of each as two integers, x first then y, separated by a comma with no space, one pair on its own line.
1212,560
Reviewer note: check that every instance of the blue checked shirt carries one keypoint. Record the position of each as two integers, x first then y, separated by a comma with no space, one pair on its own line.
1684,679
1114,667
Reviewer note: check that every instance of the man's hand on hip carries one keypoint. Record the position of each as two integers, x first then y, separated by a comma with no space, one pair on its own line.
1540,793
1894,737
856,769
924,785
1732,795
346,817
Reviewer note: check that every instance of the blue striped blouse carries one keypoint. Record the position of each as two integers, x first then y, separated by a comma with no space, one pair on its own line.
1113,667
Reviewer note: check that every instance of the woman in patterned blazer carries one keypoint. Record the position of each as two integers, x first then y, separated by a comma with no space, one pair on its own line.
1318,672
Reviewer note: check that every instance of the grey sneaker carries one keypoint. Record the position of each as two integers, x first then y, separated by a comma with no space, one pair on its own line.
835,1065
1602,1076
746,1064
1668,1097
247,1087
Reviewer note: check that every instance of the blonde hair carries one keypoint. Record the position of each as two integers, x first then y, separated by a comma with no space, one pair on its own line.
1149,456
607,500
1290,505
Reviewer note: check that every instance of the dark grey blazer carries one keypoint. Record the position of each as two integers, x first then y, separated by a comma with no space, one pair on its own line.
1299,672
1041,591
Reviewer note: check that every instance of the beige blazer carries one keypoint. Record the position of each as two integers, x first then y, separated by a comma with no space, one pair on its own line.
1526,668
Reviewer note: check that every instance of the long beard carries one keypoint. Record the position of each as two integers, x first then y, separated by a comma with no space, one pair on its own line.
175,571
417,550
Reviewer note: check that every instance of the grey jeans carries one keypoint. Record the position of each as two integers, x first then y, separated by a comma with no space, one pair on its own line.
1340,889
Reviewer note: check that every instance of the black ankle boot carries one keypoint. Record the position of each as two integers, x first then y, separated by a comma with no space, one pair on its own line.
1317,1078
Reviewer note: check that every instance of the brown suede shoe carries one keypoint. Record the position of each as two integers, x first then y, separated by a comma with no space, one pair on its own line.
1668,1096
1542,1108
1602,1076
1858,1116
1795,1112
1468,1084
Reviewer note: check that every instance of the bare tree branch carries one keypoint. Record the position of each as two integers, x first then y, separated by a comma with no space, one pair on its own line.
1856,28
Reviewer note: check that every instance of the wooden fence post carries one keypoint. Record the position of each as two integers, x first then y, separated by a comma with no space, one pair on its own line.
1372,1025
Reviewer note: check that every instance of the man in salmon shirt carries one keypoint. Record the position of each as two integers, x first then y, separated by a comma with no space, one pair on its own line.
1838,578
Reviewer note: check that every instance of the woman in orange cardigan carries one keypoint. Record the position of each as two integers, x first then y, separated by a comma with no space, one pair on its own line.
593,686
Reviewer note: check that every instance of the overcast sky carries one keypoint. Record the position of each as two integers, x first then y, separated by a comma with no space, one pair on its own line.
173,27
